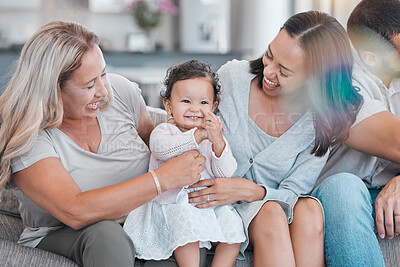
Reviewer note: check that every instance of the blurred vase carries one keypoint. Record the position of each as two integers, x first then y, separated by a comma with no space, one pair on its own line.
151,37
148,14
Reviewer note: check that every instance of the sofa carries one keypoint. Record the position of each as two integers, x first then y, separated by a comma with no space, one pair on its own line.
12,254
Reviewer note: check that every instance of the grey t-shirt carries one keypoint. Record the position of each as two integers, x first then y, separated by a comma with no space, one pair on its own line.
122,155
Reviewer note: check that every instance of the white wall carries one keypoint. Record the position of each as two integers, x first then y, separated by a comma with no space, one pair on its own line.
205,26
256,23
343,9
18,24
269,17
340,9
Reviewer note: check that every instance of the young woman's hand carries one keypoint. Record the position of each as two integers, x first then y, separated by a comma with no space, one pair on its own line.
181,171
221,191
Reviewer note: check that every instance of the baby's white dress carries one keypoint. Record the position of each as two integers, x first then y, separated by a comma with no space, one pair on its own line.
160,226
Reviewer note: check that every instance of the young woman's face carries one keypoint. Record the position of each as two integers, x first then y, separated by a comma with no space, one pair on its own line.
82,93
284,66
190,100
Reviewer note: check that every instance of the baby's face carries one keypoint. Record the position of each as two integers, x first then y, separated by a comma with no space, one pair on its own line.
190,100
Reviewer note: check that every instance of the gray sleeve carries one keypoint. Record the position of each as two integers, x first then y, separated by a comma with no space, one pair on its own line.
128,92
367,87
43,148
227,74
223,75
369,107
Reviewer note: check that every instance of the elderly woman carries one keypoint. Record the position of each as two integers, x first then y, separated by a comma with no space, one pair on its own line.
73,142
282,112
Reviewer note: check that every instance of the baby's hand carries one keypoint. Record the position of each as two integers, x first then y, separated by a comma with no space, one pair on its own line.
200,134
222,126
212,124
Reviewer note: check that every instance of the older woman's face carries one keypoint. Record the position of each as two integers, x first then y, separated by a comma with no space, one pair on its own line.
82,93
284,66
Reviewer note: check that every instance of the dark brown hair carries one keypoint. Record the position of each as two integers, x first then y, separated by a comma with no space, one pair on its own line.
187,70
373,24
329,62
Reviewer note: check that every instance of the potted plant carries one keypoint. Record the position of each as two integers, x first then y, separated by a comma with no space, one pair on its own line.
148,15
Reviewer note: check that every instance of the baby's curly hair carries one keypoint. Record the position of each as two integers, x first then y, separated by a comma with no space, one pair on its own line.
188,70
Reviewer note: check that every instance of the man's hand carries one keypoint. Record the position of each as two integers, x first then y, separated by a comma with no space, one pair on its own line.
387,209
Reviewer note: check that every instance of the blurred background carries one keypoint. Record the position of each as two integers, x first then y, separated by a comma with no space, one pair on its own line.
142,49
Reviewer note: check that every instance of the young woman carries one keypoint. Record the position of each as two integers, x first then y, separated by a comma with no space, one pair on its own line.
282,112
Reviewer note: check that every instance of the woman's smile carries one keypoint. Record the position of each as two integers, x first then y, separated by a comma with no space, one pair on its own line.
94,105
270,85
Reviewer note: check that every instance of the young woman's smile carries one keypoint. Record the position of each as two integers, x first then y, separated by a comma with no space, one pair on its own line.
284,66
270,85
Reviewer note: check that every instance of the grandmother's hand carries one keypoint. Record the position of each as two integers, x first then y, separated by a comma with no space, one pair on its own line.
181,171
221,191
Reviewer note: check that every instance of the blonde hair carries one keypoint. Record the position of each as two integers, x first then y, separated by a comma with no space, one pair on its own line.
32,99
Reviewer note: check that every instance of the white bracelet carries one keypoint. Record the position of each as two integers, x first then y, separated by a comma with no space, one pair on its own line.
155,178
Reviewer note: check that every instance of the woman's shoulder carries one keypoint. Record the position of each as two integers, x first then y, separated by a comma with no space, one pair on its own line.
235,73
234,65
43,147
126,94
235,76
123,87
116,79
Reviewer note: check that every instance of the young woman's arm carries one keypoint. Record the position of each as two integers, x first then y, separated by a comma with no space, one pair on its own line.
223,191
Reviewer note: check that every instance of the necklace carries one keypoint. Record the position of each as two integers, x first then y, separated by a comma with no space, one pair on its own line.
273,116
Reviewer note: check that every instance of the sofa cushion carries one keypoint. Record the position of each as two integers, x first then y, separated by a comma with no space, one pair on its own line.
390,250
10,227
8,203
17,255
